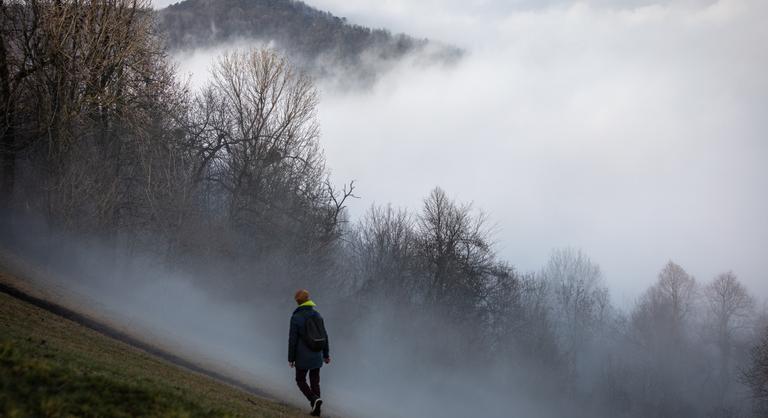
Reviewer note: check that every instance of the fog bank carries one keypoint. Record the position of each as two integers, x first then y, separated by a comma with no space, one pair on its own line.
634,130
241,330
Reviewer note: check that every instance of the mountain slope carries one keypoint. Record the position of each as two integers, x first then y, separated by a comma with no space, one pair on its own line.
317,40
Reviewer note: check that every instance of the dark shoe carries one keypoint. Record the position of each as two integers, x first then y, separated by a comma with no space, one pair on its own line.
316,407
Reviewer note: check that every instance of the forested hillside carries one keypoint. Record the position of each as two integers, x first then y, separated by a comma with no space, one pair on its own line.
323,43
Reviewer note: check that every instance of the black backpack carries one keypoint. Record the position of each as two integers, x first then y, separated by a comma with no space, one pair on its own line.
314,333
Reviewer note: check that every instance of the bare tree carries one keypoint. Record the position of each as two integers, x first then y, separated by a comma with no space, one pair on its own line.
730,308
455,250
678,288
660,342
384,251
521,320
253,137
579,298
11,74
85,80
659,319
269,125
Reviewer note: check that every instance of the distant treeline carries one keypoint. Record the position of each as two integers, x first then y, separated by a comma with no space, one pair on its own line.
100,139
320,42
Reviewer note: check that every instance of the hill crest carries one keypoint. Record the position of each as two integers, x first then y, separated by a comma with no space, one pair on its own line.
319,42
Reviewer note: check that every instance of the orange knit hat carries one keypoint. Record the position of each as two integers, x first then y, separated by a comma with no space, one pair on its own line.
301,296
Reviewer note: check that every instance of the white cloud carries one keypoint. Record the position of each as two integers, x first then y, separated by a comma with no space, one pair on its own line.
636,132
159,4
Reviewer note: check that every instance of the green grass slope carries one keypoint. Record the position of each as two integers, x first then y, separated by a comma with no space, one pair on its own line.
53,367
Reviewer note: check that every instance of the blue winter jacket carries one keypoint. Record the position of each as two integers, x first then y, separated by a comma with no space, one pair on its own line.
297,349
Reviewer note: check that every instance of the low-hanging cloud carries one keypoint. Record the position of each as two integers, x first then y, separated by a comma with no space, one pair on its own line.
636,133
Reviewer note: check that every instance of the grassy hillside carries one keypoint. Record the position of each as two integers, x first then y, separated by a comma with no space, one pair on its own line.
53,367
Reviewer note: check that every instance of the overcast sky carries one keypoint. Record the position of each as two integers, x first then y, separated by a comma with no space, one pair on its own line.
636,130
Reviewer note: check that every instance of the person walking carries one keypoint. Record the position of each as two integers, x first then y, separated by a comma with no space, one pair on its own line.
308,348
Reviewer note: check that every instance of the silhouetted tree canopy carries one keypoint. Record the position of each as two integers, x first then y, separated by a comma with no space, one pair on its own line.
324,44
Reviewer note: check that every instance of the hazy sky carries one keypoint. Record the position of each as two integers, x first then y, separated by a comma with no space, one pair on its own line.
636,131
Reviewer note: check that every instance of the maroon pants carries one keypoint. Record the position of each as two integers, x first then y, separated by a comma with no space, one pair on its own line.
311,391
